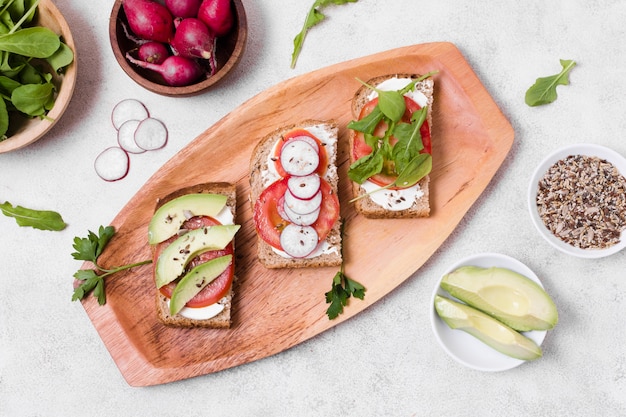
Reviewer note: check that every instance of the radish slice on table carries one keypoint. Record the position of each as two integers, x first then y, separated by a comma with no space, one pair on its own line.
298,157
301,219
112,164
298,241
126,136
300,206
304,187
151,134
128,109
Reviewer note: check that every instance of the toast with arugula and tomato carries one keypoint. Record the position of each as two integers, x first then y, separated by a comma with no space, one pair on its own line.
390,146
192,239
293,192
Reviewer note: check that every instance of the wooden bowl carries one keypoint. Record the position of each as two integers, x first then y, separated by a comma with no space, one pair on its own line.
229,50
24,130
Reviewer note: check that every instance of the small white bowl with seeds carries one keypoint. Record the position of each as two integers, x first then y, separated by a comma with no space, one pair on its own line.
577,200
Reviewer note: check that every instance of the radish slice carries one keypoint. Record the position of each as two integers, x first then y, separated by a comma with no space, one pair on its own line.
300,206
298,241
299,158
112,164
304,187
128,109
151,134
126,136
308,140
301,219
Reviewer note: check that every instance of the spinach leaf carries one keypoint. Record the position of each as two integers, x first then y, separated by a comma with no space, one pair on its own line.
415,170
4,119
37,219
33,99
35,42
61,58
365,167
544,89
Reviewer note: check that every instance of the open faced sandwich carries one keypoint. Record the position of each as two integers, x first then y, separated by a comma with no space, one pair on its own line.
293,192
390,146
192,239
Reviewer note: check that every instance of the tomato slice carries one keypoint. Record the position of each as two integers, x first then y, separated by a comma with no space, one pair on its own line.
219,287
269,223
361,148
321,169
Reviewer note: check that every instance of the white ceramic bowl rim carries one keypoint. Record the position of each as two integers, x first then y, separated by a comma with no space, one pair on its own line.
577,149
465,348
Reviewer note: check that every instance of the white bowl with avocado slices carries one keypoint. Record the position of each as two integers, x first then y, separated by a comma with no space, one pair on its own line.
576,200
488,342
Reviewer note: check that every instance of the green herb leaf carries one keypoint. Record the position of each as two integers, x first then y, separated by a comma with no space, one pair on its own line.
61,58
544,89
368,123
416,169
365,167
34,99
341,290
34,42
37,219
390,103
409,138
314,17
89,249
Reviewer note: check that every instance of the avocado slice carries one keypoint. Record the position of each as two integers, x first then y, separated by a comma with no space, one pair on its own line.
170,216
487,329
198,278
511,298
175,257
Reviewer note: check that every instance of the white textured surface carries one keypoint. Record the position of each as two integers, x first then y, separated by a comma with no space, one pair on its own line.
385,361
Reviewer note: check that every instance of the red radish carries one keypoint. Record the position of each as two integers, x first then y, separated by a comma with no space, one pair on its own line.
193,39
301,219
153,52
217,15
299,157
298,241
126,136
151,134
128,109
304,187
175,70
300,206
112,164
183,8
149,20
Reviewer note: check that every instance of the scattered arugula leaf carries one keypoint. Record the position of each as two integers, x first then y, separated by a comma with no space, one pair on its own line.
37,219
89,249
544,89
342,289
314,17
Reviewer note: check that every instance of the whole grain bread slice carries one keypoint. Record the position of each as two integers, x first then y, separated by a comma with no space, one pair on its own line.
224,318
259,167
365,205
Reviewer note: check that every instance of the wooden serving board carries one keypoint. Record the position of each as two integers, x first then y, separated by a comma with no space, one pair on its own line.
277,309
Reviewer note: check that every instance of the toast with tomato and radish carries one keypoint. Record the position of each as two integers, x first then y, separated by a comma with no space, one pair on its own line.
390,146
293,192
192,238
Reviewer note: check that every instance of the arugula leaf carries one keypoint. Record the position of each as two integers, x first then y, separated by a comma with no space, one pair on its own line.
409,138
314,17
368,123
89,249
544,89
37,219
365,167
340,292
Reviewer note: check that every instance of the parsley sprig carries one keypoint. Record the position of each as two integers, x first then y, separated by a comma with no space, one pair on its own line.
342,289
89,249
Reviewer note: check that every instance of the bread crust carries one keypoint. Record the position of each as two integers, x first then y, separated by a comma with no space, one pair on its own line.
365,205
259,163
224,319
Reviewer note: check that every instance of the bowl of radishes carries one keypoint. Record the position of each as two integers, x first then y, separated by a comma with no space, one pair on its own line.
178,47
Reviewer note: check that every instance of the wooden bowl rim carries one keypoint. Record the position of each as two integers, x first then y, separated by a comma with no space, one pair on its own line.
35,128
183,91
